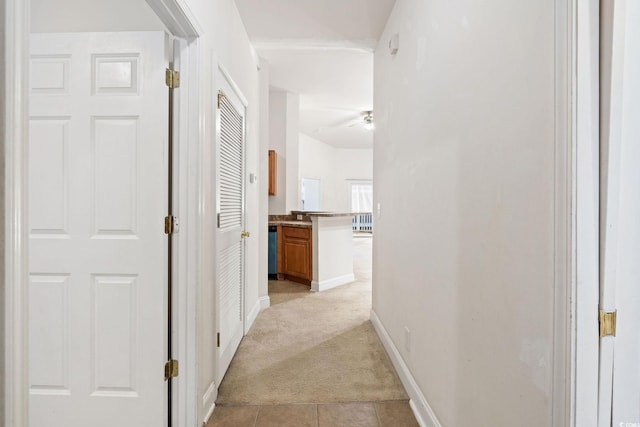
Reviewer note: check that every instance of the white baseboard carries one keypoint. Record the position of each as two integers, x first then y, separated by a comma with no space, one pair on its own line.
209,401
252,315
332,283
265,302
423,412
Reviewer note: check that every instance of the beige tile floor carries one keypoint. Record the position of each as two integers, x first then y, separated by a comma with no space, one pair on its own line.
360,414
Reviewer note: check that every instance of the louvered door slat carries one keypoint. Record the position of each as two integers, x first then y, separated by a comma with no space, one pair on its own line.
231,151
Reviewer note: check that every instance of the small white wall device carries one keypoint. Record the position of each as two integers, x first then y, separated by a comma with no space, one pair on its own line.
394,44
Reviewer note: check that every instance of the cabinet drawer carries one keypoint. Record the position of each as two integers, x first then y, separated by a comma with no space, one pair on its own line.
296,233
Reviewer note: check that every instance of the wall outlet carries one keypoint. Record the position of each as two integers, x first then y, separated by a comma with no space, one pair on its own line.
378,210
407,339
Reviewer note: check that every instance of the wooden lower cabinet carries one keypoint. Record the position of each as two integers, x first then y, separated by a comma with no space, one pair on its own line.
296,254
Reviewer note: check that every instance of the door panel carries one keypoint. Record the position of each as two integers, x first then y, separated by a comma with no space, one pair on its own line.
619,376
98,172
230,209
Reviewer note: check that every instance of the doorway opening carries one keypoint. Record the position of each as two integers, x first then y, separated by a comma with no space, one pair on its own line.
362,207
310,194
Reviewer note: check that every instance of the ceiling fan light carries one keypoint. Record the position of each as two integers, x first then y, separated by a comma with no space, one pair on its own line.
368,120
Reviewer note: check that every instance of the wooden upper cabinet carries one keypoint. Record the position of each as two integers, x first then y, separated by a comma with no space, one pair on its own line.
273,172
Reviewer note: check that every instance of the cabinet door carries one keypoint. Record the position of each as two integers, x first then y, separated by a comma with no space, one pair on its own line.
297,253
273,172
296,258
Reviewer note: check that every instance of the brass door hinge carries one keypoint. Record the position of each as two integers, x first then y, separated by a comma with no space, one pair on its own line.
607,322
170,369
172,78
171,224
220,96
218,339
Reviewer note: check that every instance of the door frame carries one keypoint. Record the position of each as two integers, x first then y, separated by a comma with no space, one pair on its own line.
582,359
183,24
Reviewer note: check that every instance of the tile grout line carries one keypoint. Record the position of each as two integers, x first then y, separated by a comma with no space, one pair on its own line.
375,409
255,420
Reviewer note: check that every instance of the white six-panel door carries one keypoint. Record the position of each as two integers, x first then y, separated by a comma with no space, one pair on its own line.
98,168
231,216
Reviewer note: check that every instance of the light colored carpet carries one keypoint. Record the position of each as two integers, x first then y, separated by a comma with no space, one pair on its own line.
314,347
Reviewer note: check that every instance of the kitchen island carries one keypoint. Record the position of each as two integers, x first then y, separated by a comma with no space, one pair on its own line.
315,248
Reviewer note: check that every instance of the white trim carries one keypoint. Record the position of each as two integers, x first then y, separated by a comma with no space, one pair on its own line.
252,315
325,285
234,86
563,207
209,414
425,416
16,277
585,229
177,16
265,302
209,401
188,240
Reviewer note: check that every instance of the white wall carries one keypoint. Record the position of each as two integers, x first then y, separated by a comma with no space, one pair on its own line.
224,43
292,164
278,143
336,168
284,110
263,179
316,162
49,16
464,175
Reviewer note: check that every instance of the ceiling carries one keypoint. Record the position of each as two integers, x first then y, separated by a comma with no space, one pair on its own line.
322,50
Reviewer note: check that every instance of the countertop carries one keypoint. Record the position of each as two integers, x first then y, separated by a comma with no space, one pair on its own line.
323,214
301,224
305,218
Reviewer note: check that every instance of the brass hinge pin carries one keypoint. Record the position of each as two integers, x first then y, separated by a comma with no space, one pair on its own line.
220,96
170,369
172,79
607,320
168,224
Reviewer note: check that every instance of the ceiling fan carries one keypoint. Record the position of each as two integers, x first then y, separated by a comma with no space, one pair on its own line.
364,119
367,120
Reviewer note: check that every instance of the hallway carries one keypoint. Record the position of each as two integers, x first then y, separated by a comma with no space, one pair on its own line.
314,359
141,177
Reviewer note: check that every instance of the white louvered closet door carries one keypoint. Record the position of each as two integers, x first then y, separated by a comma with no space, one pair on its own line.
230,211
